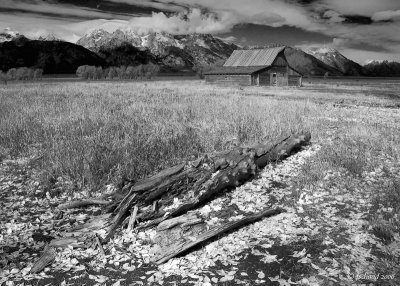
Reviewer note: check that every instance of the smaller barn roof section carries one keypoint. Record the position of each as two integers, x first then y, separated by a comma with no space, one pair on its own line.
235,70
253,58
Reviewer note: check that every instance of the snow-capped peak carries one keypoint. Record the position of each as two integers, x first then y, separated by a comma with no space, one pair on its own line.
49,37
97,35
320,51
8,35
367,62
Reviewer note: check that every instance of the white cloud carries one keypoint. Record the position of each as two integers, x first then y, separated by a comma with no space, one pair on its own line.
168,6
229,39
183,23
333,16
64,10
386,15
221,16
383,35
359,7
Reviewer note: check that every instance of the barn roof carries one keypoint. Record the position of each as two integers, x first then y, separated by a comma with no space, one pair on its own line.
253,58
235,70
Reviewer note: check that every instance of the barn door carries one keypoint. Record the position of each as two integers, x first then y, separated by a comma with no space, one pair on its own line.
255,79
274,79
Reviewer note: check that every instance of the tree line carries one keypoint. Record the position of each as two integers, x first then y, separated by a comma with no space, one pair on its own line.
384,68
201,69
147,71
22,73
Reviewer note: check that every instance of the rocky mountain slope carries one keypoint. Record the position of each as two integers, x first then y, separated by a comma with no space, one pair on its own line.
307,64
336,60
126,55
174,52
51,56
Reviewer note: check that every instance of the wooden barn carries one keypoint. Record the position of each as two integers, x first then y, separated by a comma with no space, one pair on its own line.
264,67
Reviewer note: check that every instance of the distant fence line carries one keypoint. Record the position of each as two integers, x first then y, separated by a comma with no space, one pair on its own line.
23,73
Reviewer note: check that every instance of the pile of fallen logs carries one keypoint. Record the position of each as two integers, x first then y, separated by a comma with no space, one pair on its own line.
168,200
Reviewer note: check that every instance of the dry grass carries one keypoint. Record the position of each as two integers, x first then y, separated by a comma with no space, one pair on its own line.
94,132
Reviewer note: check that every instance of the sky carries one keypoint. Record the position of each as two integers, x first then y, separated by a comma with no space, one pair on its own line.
362,30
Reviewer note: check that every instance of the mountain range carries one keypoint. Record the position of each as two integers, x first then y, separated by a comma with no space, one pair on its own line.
171,52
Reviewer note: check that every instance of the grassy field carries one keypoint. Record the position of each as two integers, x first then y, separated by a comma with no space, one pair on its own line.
94,133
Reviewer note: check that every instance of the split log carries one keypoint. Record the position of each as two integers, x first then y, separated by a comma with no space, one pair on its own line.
132,219
185,187
167,224
121,215
183,246
66,242
47,257
99,245
95,224
82,203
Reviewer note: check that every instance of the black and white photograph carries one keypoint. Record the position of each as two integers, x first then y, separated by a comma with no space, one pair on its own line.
199,142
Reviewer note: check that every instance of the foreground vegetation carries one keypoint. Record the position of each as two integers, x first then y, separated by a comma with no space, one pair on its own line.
92,134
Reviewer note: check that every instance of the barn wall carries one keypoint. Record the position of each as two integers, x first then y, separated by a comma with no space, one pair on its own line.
264,78
282,79
229,79
294,80
285,76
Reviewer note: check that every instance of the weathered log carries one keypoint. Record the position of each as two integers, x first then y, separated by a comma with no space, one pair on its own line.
182,246
82,203
66,242
176,221
47,257
94,224
187,186
123,208
132,219
99,245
